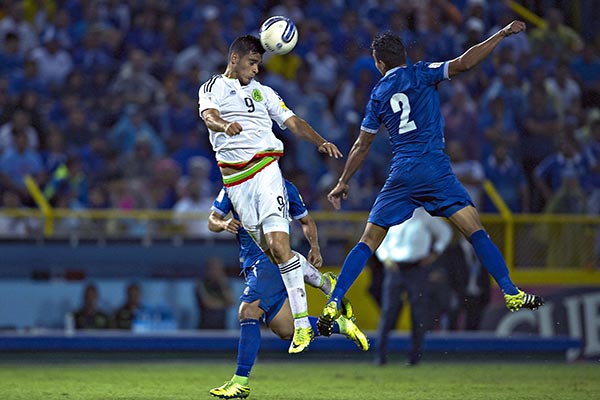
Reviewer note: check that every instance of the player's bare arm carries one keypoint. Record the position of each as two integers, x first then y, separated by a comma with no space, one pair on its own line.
357,156
217,223
309,228
303,130
477,53
214,122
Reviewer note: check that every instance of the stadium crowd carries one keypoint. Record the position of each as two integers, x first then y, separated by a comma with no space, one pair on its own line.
98,99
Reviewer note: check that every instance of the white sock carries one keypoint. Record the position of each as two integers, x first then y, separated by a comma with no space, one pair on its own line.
312,276
293,279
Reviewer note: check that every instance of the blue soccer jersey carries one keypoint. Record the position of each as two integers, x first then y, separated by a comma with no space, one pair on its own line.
406,102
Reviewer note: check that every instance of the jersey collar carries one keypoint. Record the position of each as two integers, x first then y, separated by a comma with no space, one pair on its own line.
392,70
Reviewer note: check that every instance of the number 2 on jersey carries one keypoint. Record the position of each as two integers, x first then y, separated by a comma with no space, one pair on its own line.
399,102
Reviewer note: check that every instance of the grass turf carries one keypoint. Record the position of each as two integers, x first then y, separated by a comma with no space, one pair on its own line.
301,380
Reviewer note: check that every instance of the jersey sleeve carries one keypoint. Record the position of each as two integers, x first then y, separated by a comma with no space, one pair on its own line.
297,207
371,122
432,73
207,96
222,205
278,111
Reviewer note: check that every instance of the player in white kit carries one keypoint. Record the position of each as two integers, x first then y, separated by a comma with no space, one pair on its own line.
239,114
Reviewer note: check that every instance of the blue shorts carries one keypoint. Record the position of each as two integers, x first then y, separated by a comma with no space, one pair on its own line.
426,181
264,283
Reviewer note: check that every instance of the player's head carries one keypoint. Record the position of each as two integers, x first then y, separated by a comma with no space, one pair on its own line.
388,51
245,55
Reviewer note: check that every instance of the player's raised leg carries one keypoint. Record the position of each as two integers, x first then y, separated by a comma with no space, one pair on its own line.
353,265
468,222
293,279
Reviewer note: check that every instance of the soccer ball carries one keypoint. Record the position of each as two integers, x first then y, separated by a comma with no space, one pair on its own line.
278,35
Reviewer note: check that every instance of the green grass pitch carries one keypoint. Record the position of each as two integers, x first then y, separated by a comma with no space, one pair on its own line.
301,380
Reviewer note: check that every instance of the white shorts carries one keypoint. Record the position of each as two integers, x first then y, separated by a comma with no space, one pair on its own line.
262,203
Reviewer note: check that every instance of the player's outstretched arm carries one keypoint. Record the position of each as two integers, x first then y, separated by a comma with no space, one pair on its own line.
477,53
217,223
302,129
357,156
309,228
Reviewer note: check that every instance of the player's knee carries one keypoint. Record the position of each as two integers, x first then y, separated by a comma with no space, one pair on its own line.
283,332
249,311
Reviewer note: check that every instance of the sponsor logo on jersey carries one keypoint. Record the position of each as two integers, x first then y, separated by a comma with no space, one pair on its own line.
257,95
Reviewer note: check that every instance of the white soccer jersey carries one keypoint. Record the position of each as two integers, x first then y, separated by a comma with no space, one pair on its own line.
254,107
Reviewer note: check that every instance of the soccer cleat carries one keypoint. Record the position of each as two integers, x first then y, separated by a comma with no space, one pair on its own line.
329,314
346,306
301,340
520,300
231,390
351,330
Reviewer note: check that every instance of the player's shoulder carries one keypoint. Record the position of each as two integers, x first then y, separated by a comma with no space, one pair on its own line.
212,83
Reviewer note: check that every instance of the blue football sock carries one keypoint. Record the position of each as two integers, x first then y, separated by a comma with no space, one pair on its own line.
247,346
492,260
313,324
353,265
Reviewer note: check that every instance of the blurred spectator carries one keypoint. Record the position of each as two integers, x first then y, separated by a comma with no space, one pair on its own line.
135,85
586,69
18,162
202,54
12,225
54,154
192,202
93,55
199,170
460,117
566,162
15,22
11,57
124,315
140,163
20,122
132,125
507,86
468,171
564,39
407,252
471,282
89,316
508,178
27,79
68,178
54,62
322,67
163,186
541,130
213,295
567,92
498,126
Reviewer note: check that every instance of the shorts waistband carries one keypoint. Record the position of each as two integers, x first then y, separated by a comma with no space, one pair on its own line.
243,176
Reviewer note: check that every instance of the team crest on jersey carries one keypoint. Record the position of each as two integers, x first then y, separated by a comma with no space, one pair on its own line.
257,95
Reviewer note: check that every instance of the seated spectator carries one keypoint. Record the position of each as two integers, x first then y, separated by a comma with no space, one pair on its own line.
11,57
19,162
20,122
468,171
53,61
124,315
213,295
193,202
89,316
15,226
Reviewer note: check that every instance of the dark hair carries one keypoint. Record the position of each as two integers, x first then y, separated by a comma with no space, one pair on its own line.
246,44
388,47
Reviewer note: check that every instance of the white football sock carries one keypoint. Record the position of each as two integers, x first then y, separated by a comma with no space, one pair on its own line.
293,279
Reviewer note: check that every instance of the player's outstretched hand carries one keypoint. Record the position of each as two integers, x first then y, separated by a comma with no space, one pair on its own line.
339,192
514,27
330,149
315,257
232,225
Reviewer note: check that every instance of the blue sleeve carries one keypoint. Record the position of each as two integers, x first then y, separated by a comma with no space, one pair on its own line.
371,122
432,73
297,207
222,204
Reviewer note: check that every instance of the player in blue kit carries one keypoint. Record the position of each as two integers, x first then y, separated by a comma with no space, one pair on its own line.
406,102
265,296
